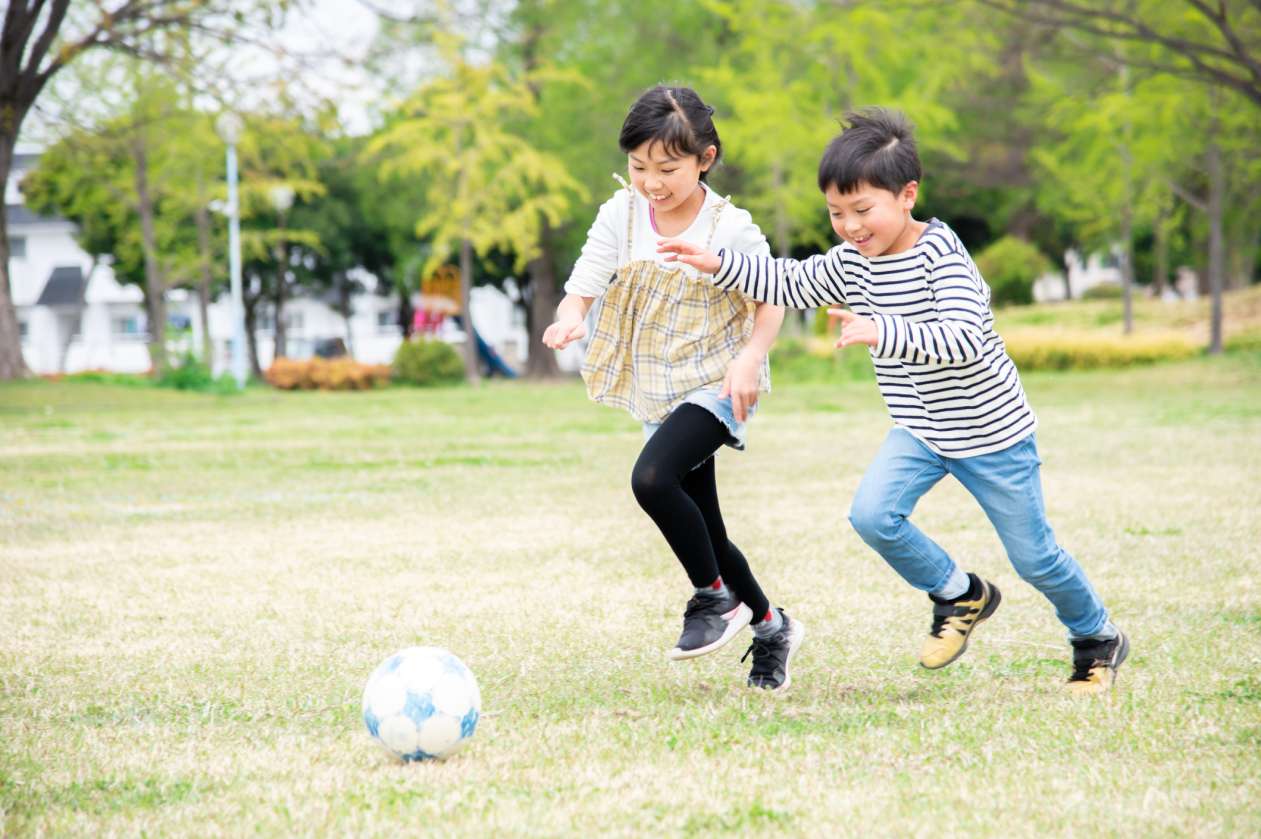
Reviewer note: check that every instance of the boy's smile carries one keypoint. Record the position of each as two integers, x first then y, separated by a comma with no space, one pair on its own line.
875,221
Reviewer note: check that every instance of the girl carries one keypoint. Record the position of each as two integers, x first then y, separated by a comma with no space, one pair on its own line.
683,357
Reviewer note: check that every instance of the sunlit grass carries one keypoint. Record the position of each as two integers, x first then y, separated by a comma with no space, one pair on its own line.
193,590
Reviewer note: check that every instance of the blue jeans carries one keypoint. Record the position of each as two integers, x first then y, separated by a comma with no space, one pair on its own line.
1007,486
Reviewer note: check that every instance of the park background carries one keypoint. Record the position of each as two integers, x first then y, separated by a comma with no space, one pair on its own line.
195,579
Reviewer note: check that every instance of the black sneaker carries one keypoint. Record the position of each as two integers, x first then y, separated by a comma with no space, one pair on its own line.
708,623
772,655
1095,664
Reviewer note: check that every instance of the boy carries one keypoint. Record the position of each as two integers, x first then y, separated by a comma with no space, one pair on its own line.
918,302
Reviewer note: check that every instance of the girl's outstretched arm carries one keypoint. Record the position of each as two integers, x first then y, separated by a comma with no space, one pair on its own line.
571,322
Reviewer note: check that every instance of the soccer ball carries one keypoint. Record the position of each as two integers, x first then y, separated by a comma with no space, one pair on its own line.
421,703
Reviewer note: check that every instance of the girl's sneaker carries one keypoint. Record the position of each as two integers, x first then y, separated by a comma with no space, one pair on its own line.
954,620
708,623
771,656
1095,664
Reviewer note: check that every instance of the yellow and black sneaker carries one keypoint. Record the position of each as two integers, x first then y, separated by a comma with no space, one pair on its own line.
1095,664
954,620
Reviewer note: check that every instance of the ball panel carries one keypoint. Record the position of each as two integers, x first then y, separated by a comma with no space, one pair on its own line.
399,734
451,696
469,723
386,695
439,734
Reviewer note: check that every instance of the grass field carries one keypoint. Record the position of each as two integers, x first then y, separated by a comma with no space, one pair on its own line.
193,590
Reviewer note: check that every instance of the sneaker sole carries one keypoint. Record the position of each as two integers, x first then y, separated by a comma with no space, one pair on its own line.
990,608
743,616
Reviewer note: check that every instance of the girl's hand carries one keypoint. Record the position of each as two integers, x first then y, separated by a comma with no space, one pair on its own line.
563,333
689,254
741,383
855,329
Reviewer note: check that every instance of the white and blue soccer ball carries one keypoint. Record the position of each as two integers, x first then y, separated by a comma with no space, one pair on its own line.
421,703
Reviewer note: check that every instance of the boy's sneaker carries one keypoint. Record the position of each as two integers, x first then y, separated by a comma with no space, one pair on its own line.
1095,664
708,623
954,620
771,656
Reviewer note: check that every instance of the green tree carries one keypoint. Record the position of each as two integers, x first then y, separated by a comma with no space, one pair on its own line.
486,186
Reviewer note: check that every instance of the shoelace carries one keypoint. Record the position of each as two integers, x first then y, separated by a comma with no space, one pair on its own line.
943,611
763,660
701,604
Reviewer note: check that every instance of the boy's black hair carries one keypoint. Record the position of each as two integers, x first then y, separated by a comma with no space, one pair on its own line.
675,117
875,146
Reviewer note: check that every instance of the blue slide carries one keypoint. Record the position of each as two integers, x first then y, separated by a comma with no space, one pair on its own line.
493,360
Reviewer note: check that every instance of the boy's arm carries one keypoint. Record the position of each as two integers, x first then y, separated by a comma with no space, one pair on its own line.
956,337
798,284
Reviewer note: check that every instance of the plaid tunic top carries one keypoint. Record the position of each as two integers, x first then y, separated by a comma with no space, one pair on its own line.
660,333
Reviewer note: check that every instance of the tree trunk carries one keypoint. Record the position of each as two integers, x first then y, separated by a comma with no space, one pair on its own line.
12,365
1160,272
1127,269
406,314
155,285
1068,277
541,309
1216,245
344,307
250,304
207,274
279,334
466,285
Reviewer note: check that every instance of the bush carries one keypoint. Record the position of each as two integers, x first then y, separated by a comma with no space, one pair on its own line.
187,373
1010,266
1103,291
1088,351
817,360
326,374
425,361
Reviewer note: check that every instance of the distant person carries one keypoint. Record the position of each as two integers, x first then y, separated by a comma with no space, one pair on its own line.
918,302
685,358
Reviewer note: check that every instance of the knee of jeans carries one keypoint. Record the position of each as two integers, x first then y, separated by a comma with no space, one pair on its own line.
873,523
1039,569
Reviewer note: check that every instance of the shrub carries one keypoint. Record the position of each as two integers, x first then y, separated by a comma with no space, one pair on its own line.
187,373
1087,351
1010,266
326,374
1103,291
817,360
425,361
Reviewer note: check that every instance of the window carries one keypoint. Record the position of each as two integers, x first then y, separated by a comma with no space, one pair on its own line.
387,320
294,321
126,326
17,247
23,329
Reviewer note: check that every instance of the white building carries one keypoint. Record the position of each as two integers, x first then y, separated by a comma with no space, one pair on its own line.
73,314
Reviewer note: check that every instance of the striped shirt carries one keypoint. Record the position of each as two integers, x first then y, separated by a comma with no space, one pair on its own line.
942,369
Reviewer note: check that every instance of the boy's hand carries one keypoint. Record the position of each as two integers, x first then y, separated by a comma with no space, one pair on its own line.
855,329
741,382
563,333
690,254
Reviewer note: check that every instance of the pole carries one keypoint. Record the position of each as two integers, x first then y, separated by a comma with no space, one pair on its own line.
234,267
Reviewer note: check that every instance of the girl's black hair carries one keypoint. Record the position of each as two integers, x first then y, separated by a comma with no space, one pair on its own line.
877,147
675,117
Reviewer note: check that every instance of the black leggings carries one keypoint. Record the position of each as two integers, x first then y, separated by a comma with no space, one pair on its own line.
683,501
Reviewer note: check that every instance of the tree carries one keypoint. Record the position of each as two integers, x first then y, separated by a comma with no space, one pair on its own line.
42,37
486,186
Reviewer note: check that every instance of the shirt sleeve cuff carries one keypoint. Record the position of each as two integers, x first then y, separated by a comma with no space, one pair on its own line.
886,336
726,262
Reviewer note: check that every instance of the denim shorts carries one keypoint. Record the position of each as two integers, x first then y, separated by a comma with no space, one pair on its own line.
707,398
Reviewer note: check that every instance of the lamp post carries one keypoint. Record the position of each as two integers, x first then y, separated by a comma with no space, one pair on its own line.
229,126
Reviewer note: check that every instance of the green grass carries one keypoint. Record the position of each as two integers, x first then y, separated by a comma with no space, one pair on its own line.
194,588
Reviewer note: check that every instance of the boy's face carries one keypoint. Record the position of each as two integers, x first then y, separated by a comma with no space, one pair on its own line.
665,179
875,221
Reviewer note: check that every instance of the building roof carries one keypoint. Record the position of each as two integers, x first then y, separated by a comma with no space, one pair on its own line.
17,215
65,287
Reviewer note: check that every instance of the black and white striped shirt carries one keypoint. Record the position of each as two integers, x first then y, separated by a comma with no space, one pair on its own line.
942,369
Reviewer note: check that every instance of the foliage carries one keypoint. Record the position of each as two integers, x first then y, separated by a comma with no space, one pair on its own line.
1010,266
1103,291
325,374
795,360
191,374
1087,351
426,361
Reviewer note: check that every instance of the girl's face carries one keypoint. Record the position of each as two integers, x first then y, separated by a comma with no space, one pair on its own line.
665,180
874,220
